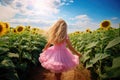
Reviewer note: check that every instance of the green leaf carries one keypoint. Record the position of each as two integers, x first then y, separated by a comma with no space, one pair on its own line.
13,55
27,56
3,50
85,59
113,42
116,63
99,56
89,64
91,45
35,48
14,76
34,61
22,66
2,43
16,44
7,63
24,46
25,39
114,71
86,56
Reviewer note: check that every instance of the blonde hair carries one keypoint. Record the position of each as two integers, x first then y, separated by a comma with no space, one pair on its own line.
57,33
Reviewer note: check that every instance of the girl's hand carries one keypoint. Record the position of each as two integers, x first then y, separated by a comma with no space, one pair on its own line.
43,50
79,55
46,46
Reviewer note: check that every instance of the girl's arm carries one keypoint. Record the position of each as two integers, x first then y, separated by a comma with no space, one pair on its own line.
71,48
46,46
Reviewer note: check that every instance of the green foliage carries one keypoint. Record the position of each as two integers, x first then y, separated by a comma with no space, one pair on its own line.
100,50
17,53
113,43
113,71
7,70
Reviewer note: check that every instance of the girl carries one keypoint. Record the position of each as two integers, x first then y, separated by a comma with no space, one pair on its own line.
58,58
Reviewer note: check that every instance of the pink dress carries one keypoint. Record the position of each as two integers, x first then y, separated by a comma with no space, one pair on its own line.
58,58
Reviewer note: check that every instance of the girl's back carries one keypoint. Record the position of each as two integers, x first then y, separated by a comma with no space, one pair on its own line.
58,58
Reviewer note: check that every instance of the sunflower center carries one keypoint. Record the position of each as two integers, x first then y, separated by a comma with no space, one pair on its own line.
14,30
105,24
1,28
28,27
20,29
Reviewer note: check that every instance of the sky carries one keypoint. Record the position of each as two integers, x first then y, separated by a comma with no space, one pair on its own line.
78,14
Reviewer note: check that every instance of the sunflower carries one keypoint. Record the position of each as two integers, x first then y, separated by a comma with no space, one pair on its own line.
77,32
28,28
2,29
14,30
7,26
19,29
34,30
106,24
88,30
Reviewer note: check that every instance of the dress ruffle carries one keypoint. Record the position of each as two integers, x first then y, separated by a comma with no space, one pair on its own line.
58,58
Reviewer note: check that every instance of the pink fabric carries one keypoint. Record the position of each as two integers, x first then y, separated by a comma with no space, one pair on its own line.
58,58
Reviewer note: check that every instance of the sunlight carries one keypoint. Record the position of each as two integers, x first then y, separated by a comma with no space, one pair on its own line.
42,7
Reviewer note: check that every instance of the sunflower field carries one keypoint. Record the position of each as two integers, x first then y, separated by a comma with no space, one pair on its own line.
100,50
20,48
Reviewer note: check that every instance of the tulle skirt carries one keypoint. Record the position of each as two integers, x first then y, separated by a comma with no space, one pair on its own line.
58,59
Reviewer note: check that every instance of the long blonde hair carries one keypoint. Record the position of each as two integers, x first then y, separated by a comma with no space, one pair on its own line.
57,33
